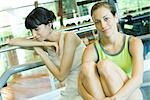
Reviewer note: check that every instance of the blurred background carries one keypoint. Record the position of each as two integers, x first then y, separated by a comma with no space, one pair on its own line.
72,15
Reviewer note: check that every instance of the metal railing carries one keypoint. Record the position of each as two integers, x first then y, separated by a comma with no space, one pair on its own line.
9,48
16,69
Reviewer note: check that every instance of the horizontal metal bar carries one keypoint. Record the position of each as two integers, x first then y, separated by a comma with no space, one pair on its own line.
147,36
3,44
146,84
9,48
79,26
86,30
16,69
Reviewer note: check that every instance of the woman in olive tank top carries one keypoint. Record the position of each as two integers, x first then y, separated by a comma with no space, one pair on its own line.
112,67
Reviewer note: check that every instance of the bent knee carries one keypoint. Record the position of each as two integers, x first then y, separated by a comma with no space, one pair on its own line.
104,66
108,68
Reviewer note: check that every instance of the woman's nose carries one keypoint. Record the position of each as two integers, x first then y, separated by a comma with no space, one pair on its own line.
103,24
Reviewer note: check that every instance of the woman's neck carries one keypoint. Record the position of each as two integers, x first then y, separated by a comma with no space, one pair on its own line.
54,36
113,44
112,40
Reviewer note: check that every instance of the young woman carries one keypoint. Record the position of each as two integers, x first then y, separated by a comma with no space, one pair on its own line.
112,67
61,51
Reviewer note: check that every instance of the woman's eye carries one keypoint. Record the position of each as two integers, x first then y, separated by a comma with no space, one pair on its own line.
36,29
106,19
97,22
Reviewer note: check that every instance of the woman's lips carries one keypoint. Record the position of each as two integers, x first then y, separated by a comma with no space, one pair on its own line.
104,30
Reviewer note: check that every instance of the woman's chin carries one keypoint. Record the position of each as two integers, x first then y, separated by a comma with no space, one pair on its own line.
107,34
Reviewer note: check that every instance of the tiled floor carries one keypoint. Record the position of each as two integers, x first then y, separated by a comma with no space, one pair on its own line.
30,86
39,84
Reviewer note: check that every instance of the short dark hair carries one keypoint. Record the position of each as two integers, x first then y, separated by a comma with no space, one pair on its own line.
103,4
39,16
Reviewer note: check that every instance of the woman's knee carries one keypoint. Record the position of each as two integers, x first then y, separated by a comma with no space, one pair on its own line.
104,67
111,72
107,68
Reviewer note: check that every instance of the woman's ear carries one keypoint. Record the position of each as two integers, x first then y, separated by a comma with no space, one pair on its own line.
50,25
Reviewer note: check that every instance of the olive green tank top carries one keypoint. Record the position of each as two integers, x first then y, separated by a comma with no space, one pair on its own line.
122,58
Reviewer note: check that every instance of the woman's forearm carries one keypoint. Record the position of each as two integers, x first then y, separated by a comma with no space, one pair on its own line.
50,65
29,42
22,42
128,89
134,83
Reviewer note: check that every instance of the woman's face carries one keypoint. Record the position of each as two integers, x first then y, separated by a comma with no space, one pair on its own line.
41,32
105,21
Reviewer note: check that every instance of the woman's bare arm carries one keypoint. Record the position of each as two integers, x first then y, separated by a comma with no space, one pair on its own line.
136,50
70,44
28,42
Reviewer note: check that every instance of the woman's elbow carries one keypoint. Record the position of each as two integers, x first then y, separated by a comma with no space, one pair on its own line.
61,78
138,80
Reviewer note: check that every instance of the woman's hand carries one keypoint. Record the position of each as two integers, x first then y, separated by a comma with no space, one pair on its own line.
109,98
113,98
55,45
